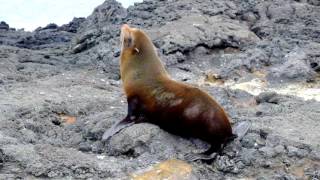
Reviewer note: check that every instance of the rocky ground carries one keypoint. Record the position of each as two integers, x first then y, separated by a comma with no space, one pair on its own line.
60,89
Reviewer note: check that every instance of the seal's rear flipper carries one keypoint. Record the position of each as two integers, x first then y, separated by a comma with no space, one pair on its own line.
241,129
207,156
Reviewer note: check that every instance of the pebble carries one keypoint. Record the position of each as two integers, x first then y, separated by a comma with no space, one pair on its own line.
293,151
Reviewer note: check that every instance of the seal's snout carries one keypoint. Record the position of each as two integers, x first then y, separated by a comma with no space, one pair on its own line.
125,28
126,36
125,31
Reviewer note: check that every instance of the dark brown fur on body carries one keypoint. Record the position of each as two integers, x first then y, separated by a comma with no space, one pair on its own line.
155,98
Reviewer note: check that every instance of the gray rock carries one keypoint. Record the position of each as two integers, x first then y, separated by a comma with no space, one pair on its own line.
279,149
226,165
145,138
211,32
293,151
312,172
264,163
269,97
252,140
268,152
294,68
85,146
49,26
4,26
284,176
241,129
315,155
2,159
248,156
72,26
79,48
4,140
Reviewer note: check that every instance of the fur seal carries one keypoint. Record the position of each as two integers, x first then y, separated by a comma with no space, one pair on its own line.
155,98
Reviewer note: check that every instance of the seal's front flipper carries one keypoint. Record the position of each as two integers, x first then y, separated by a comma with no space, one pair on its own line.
134,116
191,157
117,128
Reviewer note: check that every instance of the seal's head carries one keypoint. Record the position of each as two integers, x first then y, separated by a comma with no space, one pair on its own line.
135,43
139,59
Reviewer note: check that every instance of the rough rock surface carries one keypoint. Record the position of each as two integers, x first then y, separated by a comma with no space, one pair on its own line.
4,26
60,89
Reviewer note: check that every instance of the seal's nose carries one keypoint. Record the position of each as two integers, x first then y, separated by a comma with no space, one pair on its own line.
125,36
125,31
125,27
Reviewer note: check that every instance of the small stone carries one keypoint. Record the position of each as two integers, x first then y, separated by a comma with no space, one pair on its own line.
263,133
268,152
4,25
28,135
266,164
85,147
97,147
250,140
248,156
315,155
241,129
293,151
2,158
262,178
272,141
267,97
287,162
79,48
312,172
284,176
101,157
279,149
241,165
224,164
49,26
20,67
259,113
249,16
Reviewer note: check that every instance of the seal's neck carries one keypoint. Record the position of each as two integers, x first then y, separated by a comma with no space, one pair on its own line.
143,69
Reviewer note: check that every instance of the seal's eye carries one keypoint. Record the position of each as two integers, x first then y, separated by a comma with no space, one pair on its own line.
129,41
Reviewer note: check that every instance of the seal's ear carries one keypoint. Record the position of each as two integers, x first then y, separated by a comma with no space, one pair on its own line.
136,50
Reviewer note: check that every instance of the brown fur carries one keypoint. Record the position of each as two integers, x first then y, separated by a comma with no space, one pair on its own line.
176,107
